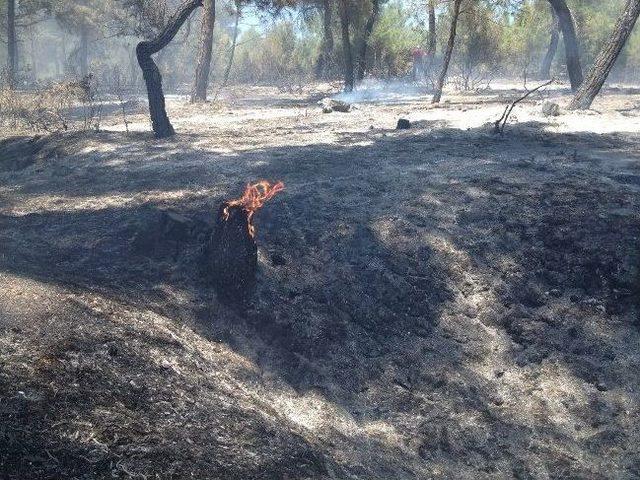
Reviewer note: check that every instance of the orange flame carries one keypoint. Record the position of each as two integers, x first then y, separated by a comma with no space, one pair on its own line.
253,198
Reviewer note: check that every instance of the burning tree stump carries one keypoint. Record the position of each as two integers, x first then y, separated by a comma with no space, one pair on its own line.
233,255
233,251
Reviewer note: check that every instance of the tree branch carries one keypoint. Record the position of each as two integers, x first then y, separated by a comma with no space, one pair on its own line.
502,121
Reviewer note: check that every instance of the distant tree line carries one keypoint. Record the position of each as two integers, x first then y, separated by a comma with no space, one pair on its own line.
466,41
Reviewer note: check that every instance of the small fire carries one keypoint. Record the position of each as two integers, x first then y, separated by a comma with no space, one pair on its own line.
253,198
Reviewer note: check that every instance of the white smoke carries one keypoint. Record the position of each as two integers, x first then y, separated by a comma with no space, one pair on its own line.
372,90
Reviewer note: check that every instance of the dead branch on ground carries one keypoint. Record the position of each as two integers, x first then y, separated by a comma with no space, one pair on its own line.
501,123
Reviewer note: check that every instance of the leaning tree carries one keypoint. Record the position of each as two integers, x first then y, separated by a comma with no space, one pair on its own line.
431,48
234,44
12,42
326,50
203,65
160,123
571,46
361,65
352,12
437,95
607,57
545,69
344,9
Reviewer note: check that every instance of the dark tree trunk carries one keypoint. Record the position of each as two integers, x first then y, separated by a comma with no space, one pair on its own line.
234,42
203,66
12,42
233,256
572,50
327,41
448,52
607,57
364,43
160,122
349,77
545,69
431,48
83,52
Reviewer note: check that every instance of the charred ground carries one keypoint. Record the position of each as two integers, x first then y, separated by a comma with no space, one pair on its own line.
437,302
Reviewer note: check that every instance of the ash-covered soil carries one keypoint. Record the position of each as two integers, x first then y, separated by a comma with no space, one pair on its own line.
438,302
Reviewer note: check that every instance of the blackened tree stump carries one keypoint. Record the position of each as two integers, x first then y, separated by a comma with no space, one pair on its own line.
232,250
233,255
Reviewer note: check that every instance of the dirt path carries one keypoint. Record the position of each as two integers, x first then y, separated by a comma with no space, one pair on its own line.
432,303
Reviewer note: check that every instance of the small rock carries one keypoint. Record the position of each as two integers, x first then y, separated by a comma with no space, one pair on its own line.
403,124
340,106
112,350
550,109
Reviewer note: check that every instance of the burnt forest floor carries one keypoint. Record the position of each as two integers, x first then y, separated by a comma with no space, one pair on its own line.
438,302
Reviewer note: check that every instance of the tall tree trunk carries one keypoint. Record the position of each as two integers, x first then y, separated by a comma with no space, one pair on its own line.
65,59
361,67
545,69
33,54
437,95
12,42
327,41
83,52
349,78
234,42
431,48
153,79
203,66
572,50
607,57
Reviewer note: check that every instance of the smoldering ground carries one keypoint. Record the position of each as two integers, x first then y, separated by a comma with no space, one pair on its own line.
438,301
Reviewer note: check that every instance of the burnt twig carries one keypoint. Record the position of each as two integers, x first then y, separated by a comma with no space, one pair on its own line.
502,121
